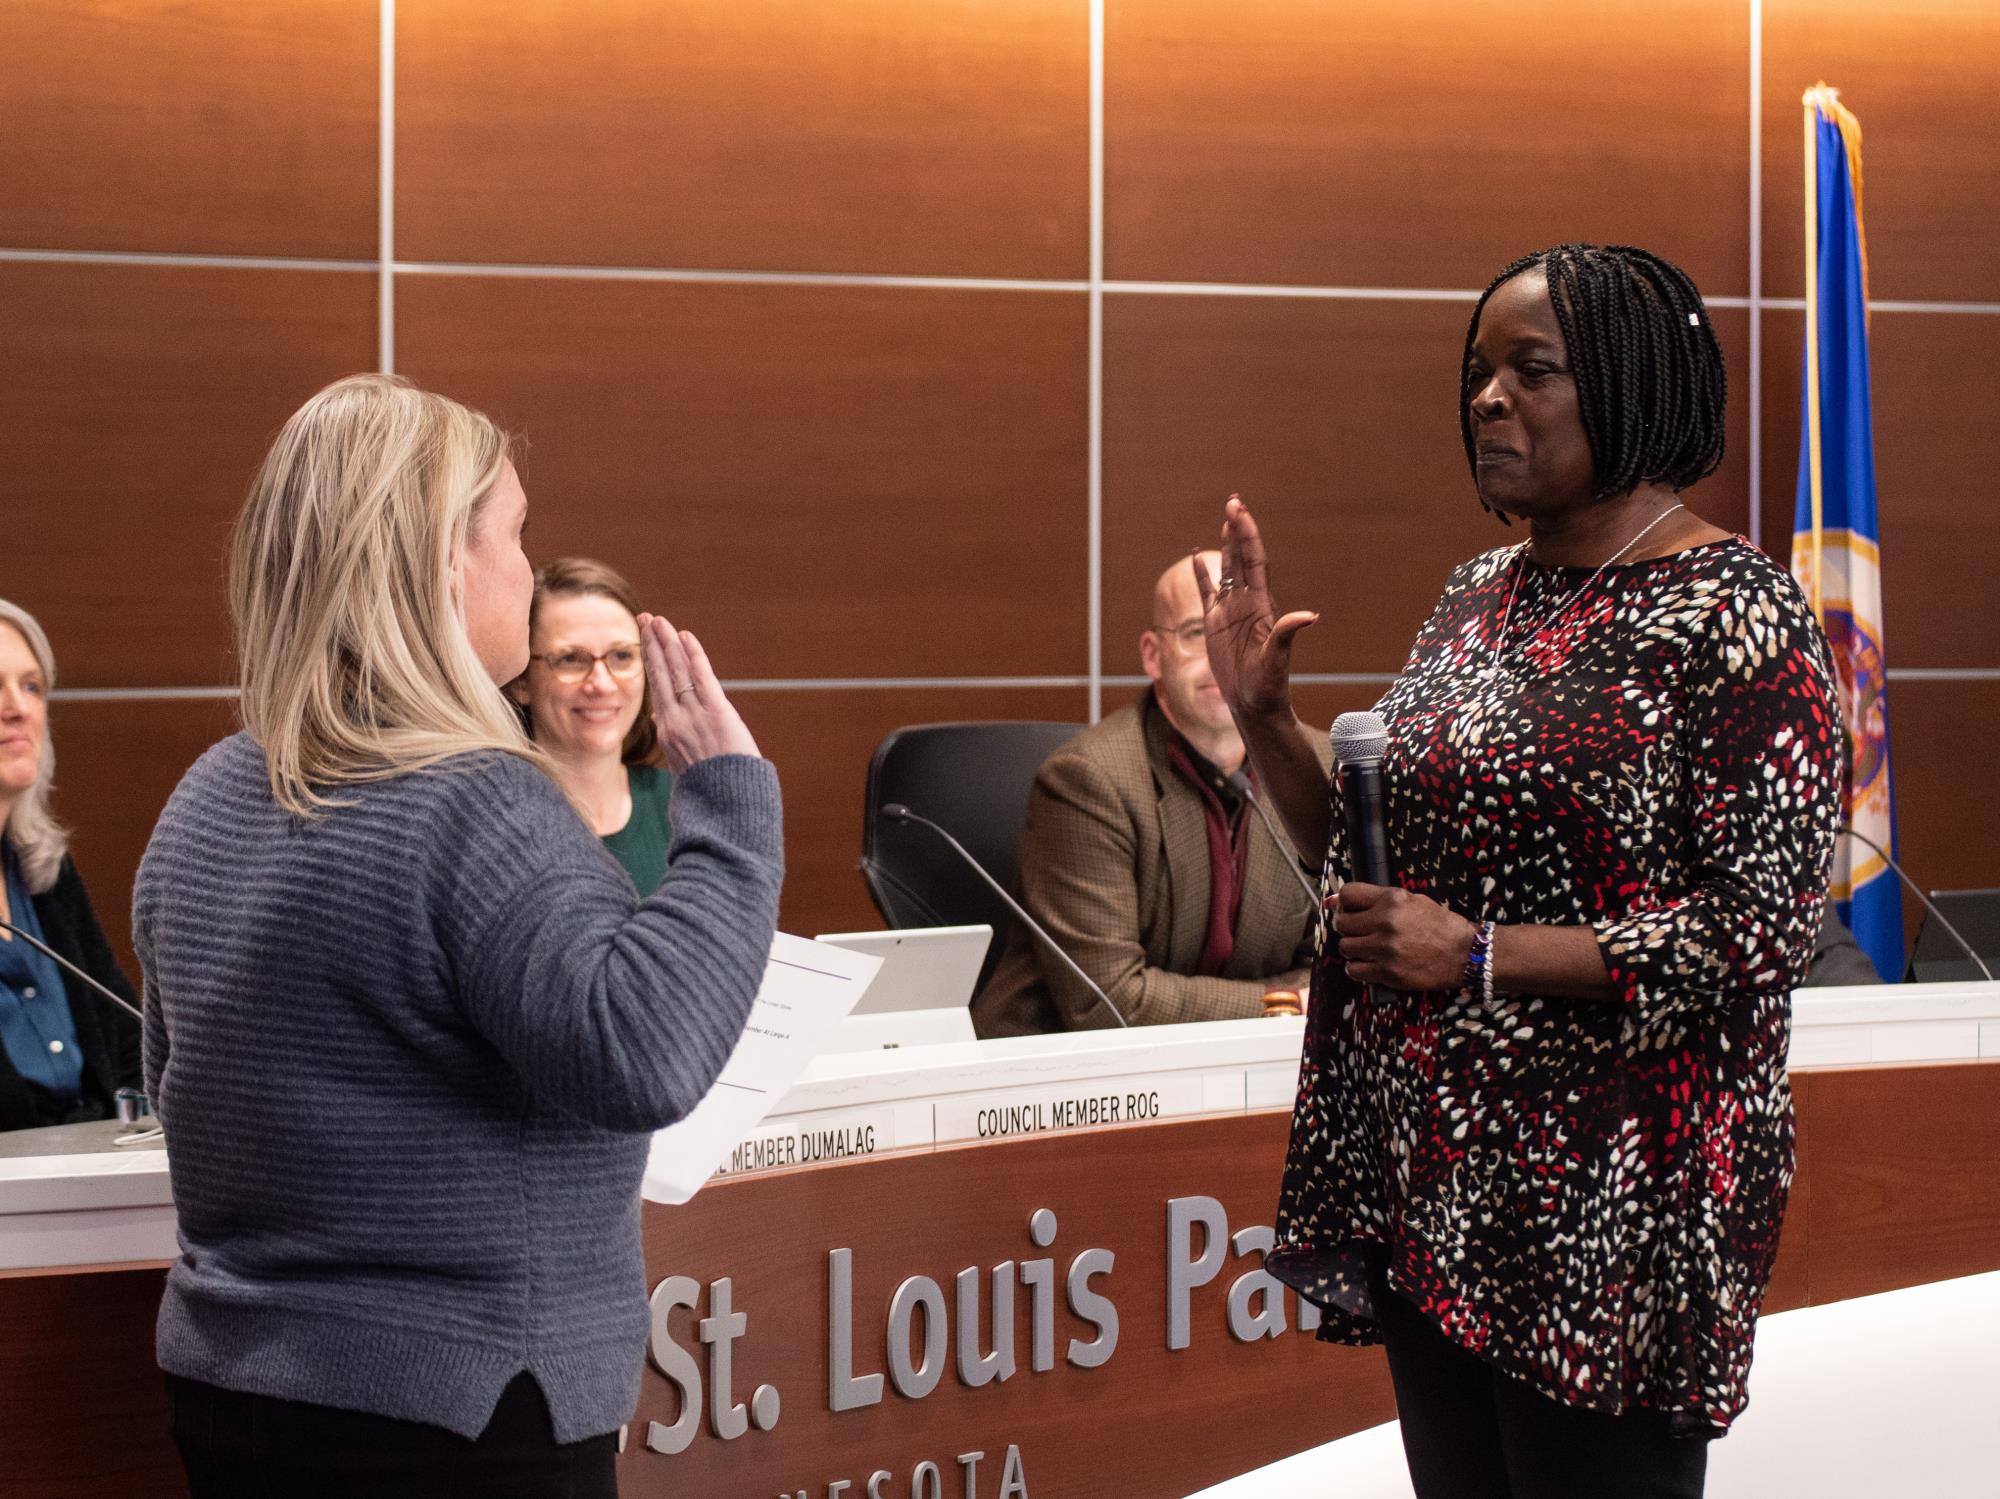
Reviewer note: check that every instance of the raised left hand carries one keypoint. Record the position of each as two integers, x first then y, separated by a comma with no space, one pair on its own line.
1399,940
1249,645
694,716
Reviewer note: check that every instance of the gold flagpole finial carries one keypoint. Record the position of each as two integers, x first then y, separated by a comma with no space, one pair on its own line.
1812,107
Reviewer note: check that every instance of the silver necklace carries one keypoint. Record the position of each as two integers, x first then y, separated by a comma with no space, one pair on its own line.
1568,601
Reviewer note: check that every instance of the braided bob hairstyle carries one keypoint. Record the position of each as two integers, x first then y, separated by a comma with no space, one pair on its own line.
1649,379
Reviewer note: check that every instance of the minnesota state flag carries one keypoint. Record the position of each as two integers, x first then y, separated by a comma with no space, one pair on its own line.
1836,553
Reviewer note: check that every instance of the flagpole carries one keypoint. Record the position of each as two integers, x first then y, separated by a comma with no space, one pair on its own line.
1812,339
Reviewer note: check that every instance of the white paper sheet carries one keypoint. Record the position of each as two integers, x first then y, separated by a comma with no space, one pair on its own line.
809,988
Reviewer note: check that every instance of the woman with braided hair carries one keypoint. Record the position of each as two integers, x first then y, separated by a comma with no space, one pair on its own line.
1543,1136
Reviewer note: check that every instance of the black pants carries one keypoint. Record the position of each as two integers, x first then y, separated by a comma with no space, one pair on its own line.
239,1446
1472,1432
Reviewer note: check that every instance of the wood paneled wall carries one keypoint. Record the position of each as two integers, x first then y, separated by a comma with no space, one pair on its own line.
793,307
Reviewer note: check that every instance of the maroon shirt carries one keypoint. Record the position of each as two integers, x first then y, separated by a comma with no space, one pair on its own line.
1228,849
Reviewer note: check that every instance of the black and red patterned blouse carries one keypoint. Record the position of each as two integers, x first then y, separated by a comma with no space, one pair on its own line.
1587,1193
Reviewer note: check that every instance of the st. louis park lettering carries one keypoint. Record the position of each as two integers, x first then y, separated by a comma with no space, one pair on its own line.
964,1327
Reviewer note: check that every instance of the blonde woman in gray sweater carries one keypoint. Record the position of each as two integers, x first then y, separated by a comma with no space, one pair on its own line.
408,1028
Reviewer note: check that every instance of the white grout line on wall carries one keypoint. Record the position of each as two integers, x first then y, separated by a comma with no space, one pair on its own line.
1323,293
1971,309
1254,289
1094,462
1379,678
1756,272
1981,309
181,262
32,256
894,684
741,684
385,211
1298,679
783,278
138,694
945,684
735,278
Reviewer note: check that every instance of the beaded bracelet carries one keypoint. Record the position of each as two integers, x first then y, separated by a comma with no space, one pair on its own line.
1478,978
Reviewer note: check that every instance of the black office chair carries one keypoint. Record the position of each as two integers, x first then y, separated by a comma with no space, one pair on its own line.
973,779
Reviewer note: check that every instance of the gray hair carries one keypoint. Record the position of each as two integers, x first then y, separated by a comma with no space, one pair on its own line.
38,840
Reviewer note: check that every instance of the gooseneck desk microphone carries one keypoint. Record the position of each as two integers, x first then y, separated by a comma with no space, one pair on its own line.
1950,930
897,812
1240,784
48,952
130,1102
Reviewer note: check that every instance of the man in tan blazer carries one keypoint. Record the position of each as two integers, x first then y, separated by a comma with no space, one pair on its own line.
1146,865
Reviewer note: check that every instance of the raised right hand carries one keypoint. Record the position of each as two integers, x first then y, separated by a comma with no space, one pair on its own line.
1249,645
695,720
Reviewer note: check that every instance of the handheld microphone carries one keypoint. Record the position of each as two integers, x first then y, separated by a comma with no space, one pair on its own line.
1240,784
1359,740
897,812
48,952
1910,884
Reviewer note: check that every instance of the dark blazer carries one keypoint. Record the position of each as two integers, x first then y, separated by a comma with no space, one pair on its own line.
1114,862
109,1037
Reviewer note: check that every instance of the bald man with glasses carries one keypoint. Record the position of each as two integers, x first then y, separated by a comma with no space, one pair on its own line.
1146,863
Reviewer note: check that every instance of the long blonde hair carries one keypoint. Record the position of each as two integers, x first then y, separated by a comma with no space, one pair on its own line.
355,661
39,840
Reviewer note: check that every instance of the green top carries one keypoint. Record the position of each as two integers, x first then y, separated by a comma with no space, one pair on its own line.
641,845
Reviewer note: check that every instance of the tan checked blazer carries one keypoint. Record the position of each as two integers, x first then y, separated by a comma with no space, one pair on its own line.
1114,862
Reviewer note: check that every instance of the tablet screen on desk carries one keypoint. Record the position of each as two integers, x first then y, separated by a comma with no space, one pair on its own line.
923,968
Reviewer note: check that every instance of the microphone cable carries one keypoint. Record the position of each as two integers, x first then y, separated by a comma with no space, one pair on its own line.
897,812
48,952
139,1137
1240,784
1956,936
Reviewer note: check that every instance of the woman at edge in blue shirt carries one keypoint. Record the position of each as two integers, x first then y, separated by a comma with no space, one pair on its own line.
66,1049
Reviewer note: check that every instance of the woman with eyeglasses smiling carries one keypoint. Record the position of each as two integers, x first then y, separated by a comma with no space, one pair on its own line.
585,701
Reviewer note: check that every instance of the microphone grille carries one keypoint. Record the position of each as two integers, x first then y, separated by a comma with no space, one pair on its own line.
1359,738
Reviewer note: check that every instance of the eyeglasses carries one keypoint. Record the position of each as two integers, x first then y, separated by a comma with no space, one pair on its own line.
1190,635
623,662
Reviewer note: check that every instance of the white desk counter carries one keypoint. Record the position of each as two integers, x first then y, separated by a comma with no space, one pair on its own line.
108,1206
935,1095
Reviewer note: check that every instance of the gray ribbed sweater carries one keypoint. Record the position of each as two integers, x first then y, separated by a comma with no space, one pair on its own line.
408,1056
